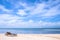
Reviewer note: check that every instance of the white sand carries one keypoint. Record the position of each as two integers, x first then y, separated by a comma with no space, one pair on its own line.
32,37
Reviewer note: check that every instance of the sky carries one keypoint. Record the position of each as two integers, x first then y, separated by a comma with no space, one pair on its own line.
29,13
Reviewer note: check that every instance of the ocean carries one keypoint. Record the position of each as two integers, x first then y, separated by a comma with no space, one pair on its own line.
31,30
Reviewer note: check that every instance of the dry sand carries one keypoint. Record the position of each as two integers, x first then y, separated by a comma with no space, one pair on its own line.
31,37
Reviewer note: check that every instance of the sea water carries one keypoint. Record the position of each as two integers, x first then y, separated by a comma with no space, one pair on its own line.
31,30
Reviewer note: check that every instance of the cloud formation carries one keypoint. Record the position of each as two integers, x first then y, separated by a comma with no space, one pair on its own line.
30,14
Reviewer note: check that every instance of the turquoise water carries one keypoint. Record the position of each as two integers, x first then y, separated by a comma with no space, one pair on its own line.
31,30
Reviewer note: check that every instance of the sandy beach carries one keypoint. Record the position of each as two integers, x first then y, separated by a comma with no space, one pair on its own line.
31,37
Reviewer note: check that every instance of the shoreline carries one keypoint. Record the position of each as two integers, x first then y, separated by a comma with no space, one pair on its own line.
31,37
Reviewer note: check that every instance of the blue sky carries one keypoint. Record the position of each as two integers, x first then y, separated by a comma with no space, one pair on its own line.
29,13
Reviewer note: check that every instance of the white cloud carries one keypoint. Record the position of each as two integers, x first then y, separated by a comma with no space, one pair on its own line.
31,21
52,12
36,24
4,9
6,19
38,9
49,24
10,21
21,12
